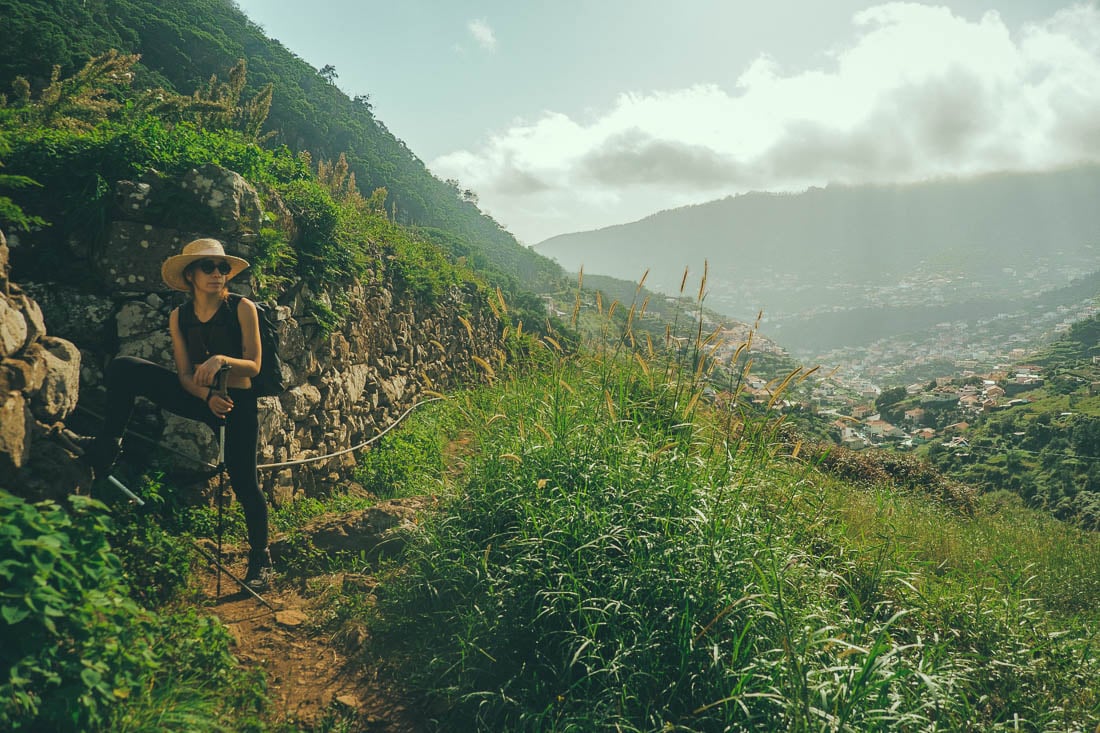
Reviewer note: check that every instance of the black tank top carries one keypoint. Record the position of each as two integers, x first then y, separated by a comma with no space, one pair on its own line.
220,335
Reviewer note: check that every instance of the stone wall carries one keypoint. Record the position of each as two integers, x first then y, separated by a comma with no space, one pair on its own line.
39,384
346,386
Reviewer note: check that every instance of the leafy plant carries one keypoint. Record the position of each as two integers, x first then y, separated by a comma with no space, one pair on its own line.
80,654
10,213
403,463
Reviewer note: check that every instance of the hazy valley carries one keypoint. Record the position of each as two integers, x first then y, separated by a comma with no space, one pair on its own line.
844,270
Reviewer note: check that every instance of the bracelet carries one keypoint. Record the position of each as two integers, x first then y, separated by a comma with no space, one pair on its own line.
209,394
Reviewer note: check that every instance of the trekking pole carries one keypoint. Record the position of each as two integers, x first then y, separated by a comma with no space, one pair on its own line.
221,388
133,497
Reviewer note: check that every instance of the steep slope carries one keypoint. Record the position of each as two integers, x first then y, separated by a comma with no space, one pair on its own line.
184,42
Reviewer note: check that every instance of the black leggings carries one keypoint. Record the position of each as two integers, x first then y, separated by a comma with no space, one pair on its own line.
128,377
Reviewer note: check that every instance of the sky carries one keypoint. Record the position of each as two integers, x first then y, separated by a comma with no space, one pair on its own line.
569,115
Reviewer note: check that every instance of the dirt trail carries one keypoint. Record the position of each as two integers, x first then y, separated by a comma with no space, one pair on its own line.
309,678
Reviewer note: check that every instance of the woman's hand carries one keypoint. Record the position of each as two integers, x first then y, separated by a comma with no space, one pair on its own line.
207,372
219,405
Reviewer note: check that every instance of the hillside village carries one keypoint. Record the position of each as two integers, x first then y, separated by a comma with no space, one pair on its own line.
904,393
955,374
942,407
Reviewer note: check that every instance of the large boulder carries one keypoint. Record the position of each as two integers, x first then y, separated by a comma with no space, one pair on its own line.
155,217
231,201
133,253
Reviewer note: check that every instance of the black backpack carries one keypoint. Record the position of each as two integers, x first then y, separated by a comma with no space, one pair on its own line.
270,379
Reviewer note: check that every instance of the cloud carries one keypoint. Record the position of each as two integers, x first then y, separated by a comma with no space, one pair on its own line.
917,92
483,34
633,157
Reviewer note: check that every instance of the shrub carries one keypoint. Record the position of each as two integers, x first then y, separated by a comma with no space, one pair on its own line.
74,642
79,654
404,462
609,564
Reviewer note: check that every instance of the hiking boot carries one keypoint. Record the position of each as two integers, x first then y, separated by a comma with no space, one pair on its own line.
260,573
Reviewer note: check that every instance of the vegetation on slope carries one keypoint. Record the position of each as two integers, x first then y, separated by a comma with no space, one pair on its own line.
610,552
183,44
81,654
617,556
81,134
1047,450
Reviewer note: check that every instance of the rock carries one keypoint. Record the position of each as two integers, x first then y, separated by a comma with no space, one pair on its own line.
349,701
271,418
15,429
138,319
192,446
132,199
32,314
155,346
290,617
232,201
374,531
61,387
298,402
355,381
50,472
26,371
13,328
394,389
132,256
79,317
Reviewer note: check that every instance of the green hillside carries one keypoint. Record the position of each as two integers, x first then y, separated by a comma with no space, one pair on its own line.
183,43
606,553
1047,450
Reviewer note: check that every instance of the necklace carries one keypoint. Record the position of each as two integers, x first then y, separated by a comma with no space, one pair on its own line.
203,329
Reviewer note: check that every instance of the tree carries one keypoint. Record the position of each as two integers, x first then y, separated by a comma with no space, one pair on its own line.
887,403
363,102
328,73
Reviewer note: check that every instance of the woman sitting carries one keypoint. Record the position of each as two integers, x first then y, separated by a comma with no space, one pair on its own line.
213,331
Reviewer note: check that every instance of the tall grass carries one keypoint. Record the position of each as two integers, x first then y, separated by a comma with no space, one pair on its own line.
619,556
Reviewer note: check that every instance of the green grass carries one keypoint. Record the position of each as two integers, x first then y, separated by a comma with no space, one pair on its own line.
617,556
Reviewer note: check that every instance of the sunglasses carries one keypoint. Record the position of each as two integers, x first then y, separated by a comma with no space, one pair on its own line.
208,267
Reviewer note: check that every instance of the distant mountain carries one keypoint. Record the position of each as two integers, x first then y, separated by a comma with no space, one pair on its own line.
841,248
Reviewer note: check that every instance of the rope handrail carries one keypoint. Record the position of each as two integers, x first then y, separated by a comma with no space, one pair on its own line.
354,447
282,464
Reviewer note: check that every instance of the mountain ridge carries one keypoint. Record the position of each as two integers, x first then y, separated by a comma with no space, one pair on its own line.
839,247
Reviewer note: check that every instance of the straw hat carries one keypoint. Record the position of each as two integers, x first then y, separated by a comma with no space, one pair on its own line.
200,249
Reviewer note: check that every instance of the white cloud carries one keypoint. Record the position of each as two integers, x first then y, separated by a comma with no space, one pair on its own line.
483,34
918,93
